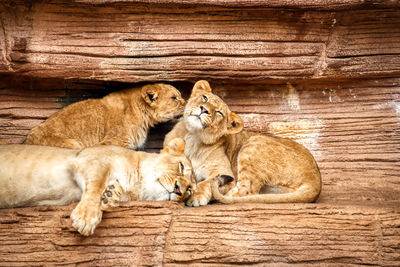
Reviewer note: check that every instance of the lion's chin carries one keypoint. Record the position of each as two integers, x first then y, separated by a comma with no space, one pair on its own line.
195,123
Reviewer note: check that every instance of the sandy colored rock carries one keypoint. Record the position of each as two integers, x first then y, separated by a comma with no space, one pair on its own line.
161,233
325,73
133,41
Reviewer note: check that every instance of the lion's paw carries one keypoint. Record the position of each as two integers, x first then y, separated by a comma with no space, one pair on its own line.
111,196
85,219
198,199
234,192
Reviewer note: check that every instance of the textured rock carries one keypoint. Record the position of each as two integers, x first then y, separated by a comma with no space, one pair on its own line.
298,4
325,73
161,233
132,41
44,236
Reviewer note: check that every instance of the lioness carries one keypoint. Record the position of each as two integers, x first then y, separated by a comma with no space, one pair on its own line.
100,177
218,148
121,118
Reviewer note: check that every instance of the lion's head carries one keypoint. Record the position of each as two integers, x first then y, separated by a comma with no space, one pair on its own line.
177,175
164,100
208,116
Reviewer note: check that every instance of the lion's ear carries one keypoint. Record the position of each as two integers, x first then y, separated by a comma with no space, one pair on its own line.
175,147
235,123
201,87
150,94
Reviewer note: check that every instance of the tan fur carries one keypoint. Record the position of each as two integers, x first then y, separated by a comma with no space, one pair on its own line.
2,142
100,177
217,146
121,118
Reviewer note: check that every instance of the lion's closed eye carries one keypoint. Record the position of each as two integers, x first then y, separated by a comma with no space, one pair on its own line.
177,189
181,168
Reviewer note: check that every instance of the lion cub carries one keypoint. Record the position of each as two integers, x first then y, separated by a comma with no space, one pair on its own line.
121,118
218,148
100,177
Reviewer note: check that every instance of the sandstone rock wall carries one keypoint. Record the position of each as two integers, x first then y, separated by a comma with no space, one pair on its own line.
325,73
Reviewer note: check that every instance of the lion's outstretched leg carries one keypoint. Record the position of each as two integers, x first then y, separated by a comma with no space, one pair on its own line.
87,214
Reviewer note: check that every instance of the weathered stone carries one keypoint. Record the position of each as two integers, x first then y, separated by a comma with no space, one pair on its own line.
162,233
134,41
325,73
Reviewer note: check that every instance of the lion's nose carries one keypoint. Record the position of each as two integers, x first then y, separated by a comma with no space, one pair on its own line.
203,110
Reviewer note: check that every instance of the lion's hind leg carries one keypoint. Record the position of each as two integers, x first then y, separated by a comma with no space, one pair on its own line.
247,184
250,179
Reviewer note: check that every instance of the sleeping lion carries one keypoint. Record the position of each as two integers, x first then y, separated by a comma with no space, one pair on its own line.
98,177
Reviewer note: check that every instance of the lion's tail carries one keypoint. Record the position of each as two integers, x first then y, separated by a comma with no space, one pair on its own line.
304,194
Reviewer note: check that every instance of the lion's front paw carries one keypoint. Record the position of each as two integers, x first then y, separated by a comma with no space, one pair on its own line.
198,199
111,196
85,218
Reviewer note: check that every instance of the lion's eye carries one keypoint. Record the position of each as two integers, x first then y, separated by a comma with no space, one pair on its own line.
177,189
174,98
205,98
220,113
181,167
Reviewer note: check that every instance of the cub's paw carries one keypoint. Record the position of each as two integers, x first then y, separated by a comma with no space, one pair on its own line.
234,192
198,199
240,190
85,218
111,196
